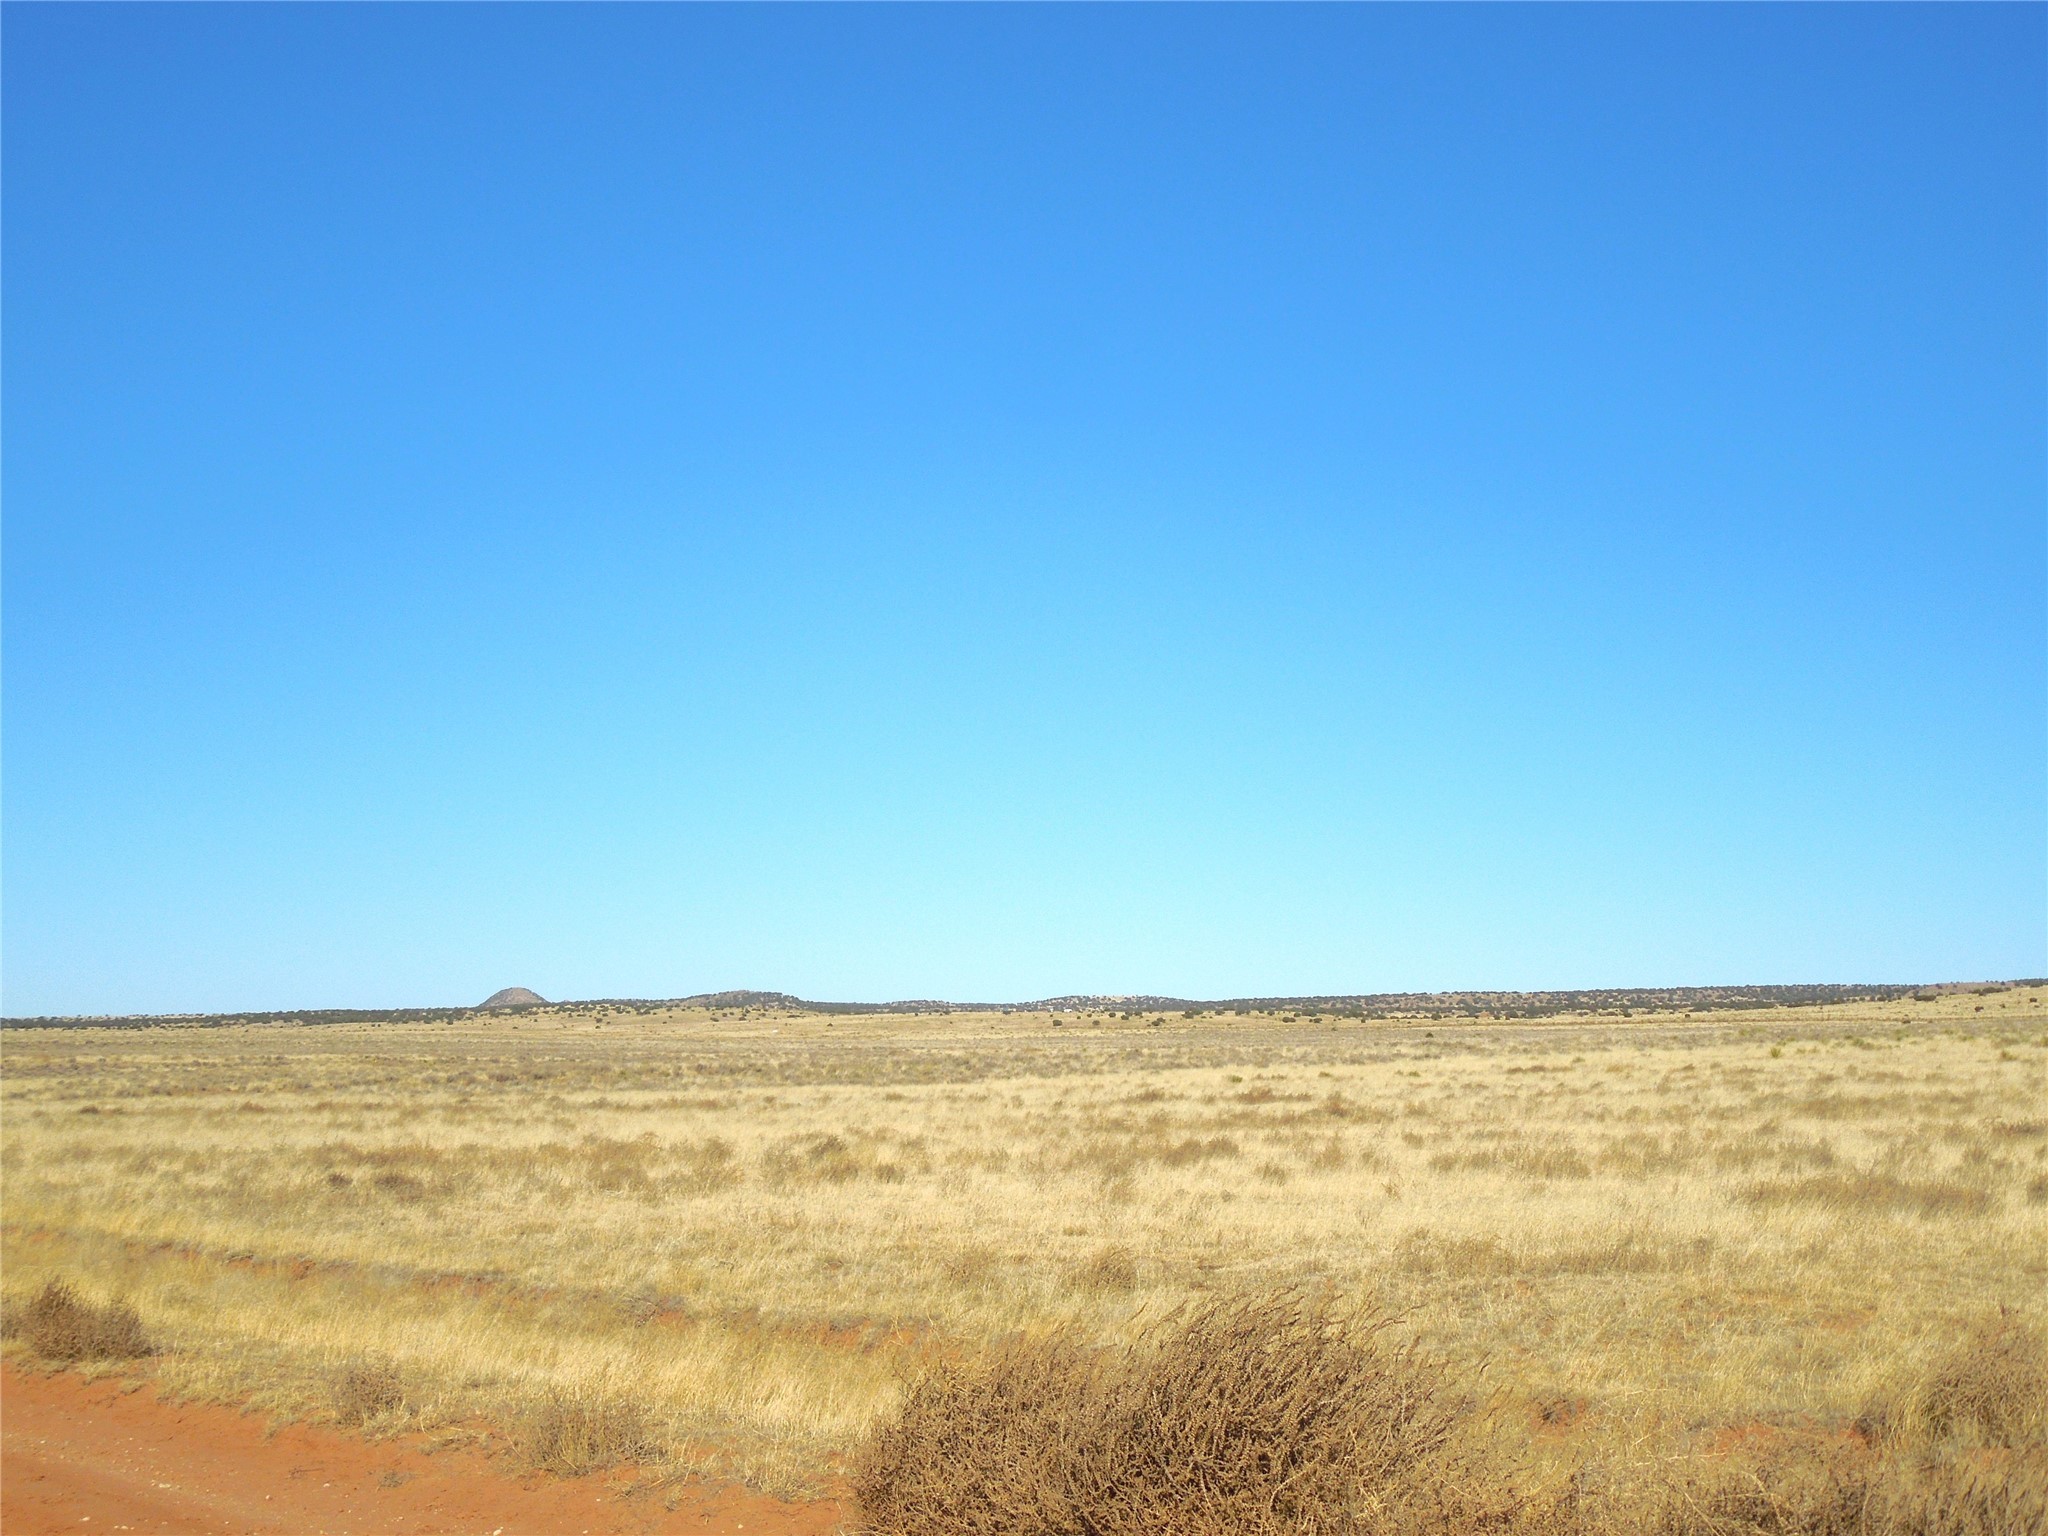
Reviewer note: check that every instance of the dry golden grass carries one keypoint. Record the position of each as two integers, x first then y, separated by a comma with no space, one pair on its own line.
1275,1415
1643,1243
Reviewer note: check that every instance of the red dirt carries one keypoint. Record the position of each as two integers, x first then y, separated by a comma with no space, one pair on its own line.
103,1456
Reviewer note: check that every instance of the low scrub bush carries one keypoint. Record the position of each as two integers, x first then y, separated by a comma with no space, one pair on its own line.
1248,1416
571,1434
365,1391
63,1328
1274,1416
1989,1389
1992,1387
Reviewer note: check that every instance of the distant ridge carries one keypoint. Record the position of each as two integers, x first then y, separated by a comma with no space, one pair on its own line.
1370,1005
512,997
1528,1005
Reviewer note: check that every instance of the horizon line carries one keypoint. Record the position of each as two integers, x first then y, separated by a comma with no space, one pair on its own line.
1472,1002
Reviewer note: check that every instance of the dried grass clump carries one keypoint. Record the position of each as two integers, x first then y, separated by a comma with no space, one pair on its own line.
974,1269
1535,1160
1424,1252
1989,1389
365,1391
1112,1270
1876,1192
828,1158
1960,1450
1993,1387
63,1328
402,1187
1248,1416
571,1434
1820,1489
706,1167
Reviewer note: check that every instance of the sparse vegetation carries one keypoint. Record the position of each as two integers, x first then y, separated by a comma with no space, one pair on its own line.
61,1328
366,1392
571,1434
1273,1415
1646,1263
1248,1417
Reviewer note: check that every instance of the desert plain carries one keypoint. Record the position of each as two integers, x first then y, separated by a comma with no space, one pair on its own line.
721,1243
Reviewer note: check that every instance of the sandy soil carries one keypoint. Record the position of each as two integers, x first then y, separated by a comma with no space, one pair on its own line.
99,1456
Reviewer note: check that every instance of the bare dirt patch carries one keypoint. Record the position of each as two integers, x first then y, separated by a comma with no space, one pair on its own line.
79,1455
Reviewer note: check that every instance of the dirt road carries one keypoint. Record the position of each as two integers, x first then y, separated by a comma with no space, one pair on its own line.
79,1456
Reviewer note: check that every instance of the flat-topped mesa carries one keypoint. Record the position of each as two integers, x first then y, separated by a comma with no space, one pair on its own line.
512,997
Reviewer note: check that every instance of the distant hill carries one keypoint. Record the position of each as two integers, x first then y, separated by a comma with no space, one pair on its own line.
512,997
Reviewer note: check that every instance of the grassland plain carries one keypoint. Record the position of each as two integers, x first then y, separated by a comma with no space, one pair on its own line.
728,1238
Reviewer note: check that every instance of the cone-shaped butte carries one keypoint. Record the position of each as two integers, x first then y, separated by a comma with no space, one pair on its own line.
512,997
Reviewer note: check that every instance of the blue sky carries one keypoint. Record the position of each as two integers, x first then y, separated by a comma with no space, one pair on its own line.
988,502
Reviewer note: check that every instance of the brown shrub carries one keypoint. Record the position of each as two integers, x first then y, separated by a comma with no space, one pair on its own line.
1271,1415
62,1328
364,1391
1989,1388
571,1435
1248,1416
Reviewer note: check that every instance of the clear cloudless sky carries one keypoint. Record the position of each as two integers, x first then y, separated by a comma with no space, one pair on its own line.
986,502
